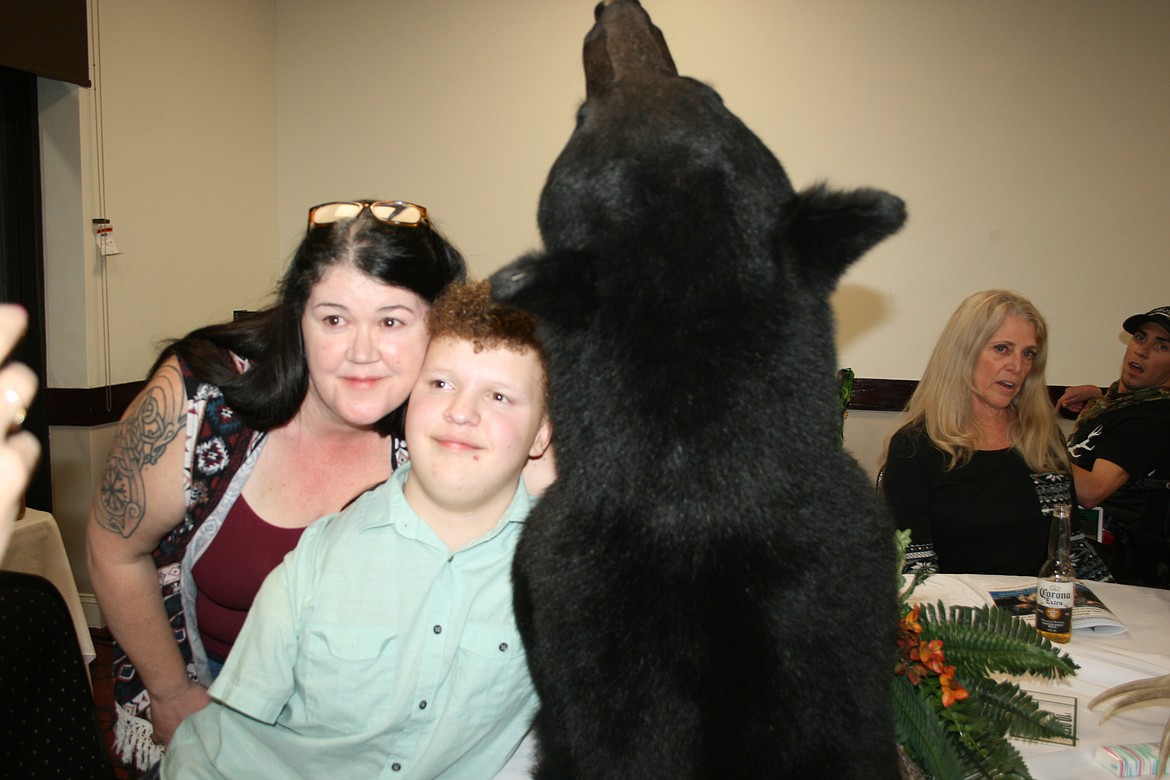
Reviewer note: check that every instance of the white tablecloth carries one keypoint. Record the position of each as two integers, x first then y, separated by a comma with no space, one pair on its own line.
1105,661
36,548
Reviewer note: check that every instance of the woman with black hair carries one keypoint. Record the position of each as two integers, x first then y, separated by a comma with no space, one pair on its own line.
245,434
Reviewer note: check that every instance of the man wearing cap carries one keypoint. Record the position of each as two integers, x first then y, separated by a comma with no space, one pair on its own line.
1123,435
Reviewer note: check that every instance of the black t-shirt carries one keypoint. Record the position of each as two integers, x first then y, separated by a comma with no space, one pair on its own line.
983,517
1135,438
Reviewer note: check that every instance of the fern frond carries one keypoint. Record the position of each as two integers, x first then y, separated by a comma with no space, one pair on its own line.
988,757
905,590
1005,704
983,640
922,734
982,749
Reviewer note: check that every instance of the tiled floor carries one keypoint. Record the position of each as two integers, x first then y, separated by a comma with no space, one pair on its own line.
103,692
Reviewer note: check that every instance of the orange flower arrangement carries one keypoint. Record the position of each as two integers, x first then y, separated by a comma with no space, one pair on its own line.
951,716
919,659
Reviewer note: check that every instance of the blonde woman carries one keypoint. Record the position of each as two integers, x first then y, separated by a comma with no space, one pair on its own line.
978,465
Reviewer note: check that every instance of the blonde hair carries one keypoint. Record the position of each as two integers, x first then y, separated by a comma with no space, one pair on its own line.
942,403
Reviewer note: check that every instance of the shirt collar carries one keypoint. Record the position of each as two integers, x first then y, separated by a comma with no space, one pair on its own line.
393,509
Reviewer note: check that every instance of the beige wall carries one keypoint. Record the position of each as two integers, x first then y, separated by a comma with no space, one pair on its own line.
1028,139
182,122
1025,137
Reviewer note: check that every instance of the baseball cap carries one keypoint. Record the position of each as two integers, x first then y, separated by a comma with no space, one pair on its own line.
1159,316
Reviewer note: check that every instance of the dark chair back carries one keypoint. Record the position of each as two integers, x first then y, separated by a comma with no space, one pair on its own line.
1142,556
1150,539
48,719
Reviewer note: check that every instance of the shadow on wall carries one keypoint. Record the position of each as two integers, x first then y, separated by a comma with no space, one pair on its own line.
858,309
866,434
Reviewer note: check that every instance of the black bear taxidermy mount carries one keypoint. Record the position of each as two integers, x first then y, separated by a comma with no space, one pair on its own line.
708,589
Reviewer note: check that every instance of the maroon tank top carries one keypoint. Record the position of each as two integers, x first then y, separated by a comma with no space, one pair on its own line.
231,571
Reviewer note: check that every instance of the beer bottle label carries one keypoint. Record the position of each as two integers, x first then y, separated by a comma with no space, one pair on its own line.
1054,606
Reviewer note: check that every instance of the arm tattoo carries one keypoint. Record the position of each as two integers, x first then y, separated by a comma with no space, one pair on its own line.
142,438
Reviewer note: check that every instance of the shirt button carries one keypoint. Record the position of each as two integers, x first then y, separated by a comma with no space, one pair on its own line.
422,705
438,629
397,767
503,647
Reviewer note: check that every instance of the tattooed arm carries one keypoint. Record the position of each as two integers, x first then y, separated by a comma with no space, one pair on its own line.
139,501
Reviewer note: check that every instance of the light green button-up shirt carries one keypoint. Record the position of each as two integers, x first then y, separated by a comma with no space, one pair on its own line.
372,651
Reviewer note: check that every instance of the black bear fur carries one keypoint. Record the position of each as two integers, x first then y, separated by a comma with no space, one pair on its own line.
708,589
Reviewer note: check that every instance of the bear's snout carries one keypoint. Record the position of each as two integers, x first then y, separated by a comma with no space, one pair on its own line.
624,45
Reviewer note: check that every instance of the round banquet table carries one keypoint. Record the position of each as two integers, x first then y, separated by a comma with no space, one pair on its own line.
1105,660
1143,650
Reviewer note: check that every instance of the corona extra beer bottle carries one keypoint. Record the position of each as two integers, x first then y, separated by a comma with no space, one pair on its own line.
1056,588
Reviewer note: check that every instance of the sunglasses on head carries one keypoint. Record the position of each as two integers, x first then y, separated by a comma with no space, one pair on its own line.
392,212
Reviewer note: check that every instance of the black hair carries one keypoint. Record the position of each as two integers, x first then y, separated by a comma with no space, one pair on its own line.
269,393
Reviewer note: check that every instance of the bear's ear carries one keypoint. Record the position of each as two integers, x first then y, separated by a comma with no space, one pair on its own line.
828,230
555,286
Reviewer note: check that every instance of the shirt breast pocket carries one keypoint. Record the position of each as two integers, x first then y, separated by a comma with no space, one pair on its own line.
350,674
491,674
